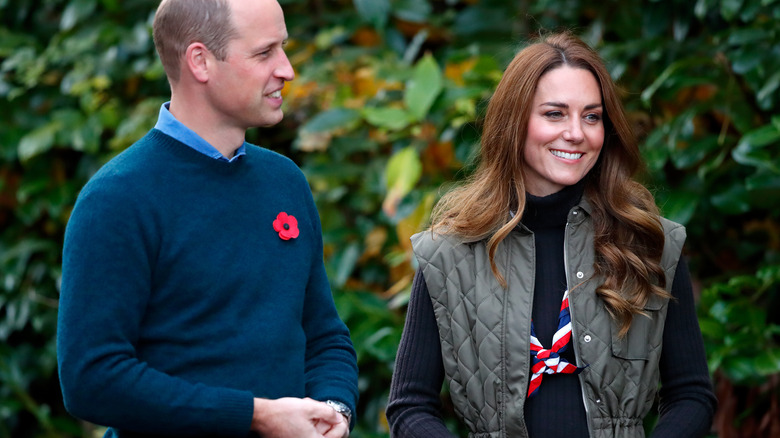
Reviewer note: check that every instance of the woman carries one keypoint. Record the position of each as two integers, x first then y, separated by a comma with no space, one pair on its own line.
551,294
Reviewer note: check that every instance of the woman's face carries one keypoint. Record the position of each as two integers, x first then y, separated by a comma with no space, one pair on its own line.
565,130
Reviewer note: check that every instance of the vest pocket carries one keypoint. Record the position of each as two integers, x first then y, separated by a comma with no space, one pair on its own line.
635,344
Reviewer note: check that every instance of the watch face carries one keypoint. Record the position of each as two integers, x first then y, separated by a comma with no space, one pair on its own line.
341,408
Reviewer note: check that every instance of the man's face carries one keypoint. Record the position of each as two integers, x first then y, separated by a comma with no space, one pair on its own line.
245,88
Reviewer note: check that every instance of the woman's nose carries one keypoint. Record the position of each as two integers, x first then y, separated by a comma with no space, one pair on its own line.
573,133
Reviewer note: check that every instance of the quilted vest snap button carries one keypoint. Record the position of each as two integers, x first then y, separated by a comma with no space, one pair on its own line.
586,338
580,275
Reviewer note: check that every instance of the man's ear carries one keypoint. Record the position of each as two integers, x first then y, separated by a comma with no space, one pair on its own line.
198,59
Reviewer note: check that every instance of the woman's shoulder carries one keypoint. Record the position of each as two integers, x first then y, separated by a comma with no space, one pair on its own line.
674,240
434,239
431,245
672,228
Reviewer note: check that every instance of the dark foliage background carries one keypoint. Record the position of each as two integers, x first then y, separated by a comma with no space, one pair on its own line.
385,109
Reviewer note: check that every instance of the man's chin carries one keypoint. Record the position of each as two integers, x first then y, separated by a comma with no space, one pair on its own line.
270,120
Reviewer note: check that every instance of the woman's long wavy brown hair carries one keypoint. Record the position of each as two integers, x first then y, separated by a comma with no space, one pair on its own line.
628,235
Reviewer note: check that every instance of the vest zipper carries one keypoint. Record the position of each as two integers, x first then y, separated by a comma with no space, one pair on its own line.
575,335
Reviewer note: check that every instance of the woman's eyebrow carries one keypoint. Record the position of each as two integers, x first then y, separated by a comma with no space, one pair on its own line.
566,105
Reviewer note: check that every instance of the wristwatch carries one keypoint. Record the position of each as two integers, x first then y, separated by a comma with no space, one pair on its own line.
341,408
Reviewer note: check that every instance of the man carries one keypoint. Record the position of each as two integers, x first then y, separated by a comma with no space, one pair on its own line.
194,297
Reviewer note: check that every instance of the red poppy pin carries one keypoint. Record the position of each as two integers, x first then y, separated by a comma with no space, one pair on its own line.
286,225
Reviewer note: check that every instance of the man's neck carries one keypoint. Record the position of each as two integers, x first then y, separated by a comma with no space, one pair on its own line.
224,137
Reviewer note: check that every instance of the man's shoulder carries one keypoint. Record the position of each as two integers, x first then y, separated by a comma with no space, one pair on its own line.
129,168
135,158
269,156
274,163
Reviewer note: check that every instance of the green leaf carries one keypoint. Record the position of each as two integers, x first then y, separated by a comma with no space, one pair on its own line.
712,329
331,120
732,201
655,151
740,37
669,72
746,59
38,141
328,37
394,119
702,7
768,362
11,42
375,12
347,262
655,21
764,189
423,88
136,124
403,171
80,133
740,369
730,8
680,205
768,92
111,5
747,316
480,18
720,311
681,28
75,12
694,152
759,148
383,344
763,180
416,11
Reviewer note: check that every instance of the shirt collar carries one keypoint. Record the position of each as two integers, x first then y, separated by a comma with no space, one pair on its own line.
169,125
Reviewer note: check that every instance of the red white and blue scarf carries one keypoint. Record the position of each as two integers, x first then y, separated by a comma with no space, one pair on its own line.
549,361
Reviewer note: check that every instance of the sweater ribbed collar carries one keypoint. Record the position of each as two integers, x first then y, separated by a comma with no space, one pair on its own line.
552,210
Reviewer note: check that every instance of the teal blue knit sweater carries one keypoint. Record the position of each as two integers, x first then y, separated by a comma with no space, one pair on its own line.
180,302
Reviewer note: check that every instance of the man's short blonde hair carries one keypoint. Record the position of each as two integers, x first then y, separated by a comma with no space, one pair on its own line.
179,23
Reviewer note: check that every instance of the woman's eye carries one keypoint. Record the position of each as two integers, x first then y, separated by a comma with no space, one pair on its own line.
593,117
553,114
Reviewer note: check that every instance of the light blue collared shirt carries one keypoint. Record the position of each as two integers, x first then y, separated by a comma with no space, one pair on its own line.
167,123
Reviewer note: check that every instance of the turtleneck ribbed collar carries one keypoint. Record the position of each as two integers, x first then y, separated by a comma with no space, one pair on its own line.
552,210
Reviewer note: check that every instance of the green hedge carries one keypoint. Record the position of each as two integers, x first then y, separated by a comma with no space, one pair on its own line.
384,114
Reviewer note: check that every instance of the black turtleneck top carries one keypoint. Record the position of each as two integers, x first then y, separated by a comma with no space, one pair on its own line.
558,406
687,403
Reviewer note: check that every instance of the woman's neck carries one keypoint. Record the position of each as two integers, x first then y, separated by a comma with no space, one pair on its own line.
551,210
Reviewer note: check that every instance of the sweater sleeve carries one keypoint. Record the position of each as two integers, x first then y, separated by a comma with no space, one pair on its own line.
687,401
331,363
414,406
106,282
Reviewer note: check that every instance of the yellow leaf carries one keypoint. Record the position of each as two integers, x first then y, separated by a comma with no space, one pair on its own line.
455,72
401,175
415,222
374,242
